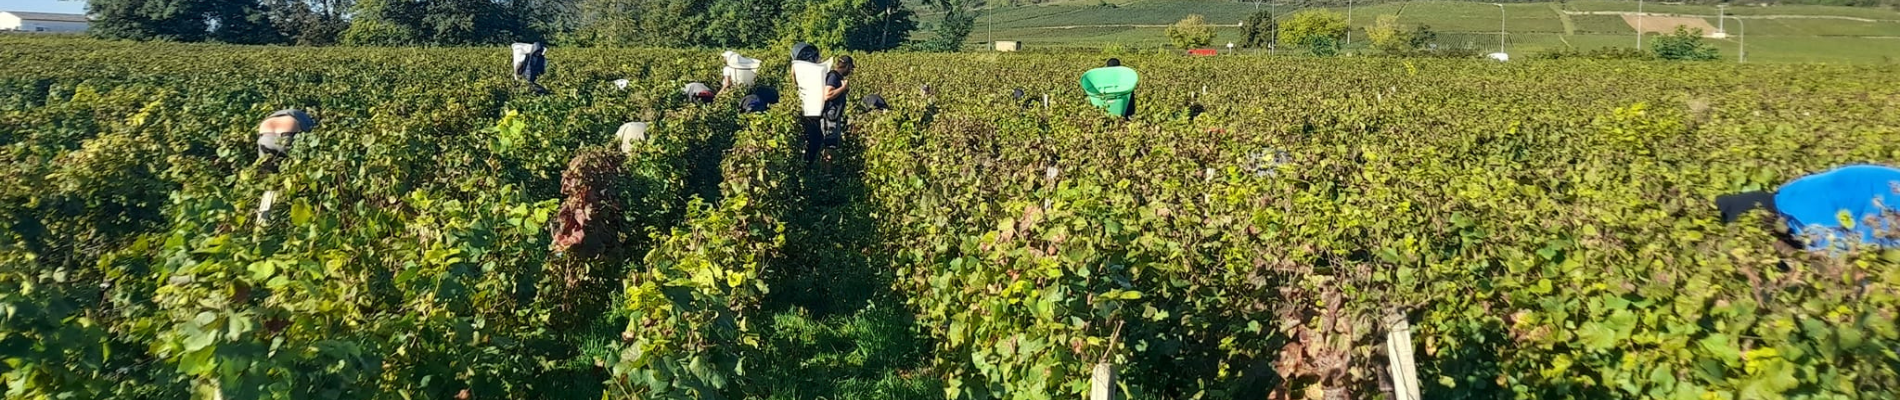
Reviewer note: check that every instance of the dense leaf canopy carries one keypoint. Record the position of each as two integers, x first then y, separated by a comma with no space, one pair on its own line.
1545,226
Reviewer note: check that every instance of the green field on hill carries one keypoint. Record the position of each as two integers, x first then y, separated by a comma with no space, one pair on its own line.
1793,33
1654,7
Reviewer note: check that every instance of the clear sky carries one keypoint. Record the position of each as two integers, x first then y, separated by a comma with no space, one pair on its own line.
54,6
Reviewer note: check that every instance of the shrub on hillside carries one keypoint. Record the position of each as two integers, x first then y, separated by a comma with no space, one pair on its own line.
1322,46
1317,30
1422,36
1685,44
1258,31
1191,33
1389,37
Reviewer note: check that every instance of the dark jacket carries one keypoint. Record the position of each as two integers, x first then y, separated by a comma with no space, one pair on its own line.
834,108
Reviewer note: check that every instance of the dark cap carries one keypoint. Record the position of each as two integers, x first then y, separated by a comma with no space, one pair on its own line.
804,52
845,64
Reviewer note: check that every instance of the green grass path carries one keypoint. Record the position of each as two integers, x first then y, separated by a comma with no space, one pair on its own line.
1570,27
837,330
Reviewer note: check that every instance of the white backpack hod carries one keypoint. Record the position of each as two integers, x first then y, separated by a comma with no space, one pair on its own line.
521,52
741,71
629,133
811,85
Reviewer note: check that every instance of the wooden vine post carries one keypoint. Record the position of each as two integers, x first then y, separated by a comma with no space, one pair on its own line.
1102,385
1102,382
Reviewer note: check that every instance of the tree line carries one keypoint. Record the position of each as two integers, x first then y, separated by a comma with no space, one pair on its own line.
844,24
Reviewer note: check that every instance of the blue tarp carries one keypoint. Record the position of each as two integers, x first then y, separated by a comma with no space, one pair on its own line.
1814,204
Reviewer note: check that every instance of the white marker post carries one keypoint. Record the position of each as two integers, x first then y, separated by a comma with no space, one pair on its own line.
1398,350
263,207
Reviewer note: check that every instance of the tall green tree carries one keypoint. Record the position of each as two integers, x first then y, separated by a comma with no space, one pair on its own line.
438,22
673,23
1258,30
310,22
1191,32
231,21
958,21
178,20
1388,36
240,21
742,23
608,22
545,19
868,25
1313,28
678,23
383,22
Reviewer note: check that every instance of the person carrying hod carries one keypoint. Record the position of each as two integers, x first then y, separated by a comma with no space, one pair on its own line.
810,76
837,95
531,62
1830,209
1112,88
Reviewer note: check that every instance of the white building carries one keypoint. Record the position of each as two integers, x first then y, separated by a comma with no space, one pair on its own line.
42,22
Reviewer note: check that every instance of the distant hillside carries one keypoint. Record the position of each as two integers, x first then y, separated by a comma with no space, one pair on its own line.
1868,4
1773,32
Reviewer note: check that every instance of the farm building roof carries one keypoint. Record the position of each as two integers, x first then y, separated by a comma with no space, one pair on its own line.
40,16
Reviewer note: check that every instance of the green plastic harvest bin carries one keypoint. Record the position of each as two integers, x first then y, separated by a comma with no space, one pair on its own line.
1110,88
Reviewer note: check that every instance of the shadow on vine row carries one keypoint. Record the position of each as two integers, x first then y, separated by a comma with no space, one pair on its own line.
835,328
